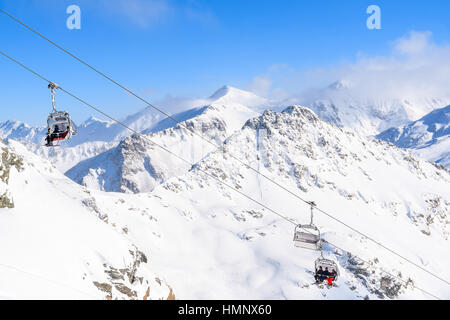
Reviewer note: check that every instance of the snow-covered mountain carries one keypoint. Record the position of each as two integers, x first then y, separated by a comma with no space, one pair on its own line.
56,244
428,137
381,190
228,95
136,165
94,136
18,130
208,242
341,104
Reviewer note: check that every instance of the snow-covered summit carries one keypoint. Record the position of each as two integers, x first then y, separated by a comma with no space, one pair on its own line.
99,135
228,95
136,165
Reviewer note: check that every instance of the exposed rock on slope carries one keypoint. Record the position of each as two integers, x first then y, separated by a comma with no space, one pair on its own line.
136,165
8,161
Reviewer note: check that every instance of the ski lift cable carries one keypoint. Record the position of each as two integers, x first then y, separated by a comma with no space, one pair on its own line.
290,220
382,270
213,143
46,279
180,158
184,160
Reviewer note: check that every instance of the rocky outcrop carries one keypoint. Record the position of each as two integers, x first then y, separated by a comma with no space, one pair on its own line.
8,160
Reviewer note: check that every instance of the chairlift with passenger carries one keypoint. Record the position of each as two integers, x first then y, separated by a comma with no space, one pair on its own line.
59,125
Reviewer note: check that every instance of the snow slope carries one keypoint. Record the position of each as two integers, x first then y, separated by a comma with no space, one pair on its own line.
208,242
379,189
54,244
428,137
136,165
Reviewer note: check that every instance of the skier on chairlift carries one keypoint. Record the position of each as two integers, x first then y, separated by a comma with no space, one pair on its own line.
319,275
326,274
51,136
59,125
331,277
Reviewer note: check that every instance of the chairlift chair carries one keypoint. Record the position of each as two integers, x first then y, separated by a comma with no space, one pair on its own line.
327,263
310,237
60,120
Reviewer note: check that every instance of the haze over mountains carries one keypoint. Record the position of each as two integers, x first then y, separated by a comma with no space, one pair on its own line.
369,114
177,232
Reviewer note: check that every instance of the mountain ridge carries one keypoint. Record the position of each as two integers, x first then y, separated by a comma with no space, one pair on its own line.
135,165
429,136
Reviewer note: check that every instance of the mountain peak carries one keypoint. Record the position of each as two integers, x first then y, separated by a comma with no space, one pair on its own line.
231,95
224,91
339,85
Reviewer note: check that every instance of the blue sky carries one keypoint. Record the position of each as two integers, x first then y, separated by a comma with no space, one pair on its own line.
191,48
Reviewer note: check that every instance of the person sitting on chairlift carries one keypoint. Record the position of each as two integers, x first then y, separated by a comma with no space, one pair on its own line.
319,275
56,132
49,139
52,135
331,277
326,274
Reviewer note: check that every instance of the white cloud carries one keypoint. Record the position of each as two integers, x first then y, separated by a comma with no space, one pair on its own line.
416,67
414,43
260,85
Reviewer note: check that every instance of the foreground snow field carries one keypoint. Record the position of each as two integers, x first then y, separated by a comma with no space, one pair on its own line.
54,246
202,240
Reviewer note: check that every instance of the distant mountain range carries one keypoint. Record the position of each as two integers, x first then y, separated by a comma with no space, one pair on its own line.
342,105
428,137
336,104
